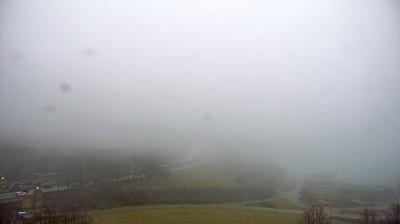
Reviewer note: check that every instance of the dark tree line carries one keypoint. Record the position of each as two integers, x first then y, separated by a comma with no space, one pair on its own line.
7,214
73,168
392,216
67,215
314,215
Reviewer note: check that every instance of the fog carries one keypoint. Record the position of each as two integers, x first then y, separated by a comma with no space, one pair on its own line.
311,85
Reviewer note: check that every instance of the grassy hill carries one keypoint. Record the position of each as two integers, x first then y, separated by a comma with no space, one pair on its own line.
171,215
216,175
198,177
206,183
282,203
205,176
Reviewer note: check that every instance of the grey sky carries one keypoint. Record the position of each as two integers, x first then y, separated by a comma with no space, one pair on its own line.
313,84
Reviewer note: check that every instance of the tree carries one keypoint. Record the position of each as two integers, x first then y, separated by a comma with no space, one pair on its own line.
66,215
393,214
368,216
7,214
314,215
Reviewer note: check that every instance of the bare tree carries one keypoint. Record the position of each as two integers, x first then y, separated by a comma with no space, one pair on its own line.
67,215
398,187
7,214
393,215
368,216
314,215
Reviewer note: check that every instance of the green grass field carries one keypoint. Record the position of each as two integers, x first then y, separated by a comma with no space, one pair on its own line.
208,176
175,215
200,177
281,203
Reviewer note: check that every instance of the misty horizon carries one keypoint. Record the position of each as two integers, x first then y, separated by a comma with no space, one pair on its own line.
313,86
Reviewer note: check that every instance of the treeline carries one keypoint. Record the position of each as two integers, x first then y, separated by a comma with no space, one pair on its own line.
328,190
391,216
315,215
72,214
76,167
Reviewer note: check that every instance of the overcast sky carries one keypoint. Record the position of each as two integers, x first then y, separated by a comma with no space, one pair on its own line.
311,84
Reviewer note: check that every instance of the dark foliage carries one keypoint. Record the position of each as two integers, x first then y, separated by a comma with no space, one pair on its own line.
392,216
314,215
